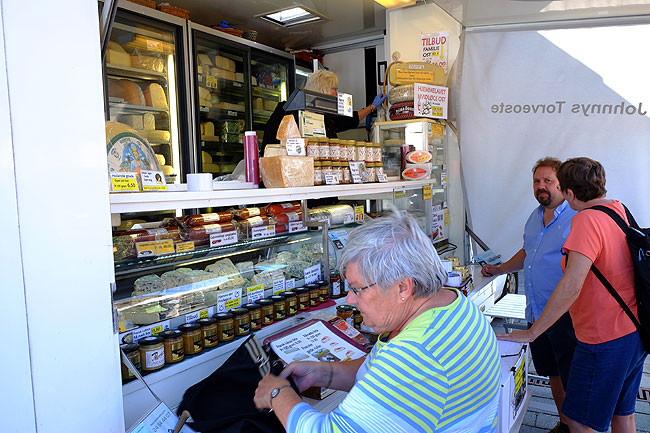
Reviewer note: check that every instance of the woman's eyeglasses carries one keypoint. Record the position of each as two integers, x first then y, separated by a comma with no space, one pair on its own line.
357,291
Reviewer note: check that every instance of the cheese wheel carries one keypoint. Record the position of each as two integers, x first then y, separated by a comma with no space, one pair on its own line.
167,170
400,94
127,90
155,135
128,151
149,121
416,72
115,55
206,158
135,121
160,158
154,96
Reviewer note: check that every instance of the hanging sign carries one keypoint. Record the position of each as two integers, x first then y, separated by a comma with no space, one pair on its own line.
434,49
430,101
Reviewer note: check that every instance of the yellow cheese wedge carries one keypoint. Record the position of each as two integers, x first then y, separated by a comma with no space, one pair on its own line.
208,128
117,57
154,96
416,72
149,121
161,159
204,59
288,128
167,170
206,158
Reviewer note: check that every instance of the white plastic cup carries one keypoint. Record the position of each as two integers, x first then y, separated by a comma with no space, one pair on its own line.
199,182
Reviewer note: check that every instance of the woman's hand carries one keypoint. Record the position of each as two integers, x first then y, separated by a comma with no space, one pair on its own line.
518,336
378,100
308,373
268,383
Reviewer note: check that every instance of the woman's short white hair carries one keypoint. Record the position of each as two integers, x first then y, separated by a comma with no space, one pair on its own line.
322,81
393,248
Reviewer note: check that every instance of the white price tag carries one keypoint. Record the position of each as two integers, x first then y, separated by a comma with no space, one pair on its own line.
356,168
153,180
348,218
237,84
204,109
148,331
228,300
255,293
312,274
382,178
330,179
232,113
345,104
263,232
192,317
290,284
278,286
220,239
296,226
295,147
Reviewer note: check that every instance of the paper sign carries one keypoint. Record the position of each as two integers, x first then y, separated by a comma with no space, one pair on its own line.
296,226
153,180
148,331
338,237
434,49
331,179
154,248
290,284
348,218
430,101
232,113
400,194
413,76
357,168
312,274
443,179
255,293
278,286
358,213
382,178
345,104
124,182
211,81
228,300
311,124
220,239
182,247
426,192
295,146
192,317
437,227
160,420
263,232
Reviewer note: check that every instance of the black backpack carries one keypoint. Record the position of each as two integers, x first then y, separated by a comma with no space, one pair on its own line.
638,241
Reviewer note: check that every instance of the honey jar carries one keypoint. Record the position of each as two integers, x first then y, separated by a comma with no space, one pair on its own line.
314,294
279,307
268,311
255,315
174,348
242,321
152,353
225,326
132,352
192,338
290,303
210,332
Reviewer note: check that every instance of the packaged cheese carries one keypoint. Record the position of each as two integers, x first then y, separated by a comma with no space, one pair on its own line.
154,96
416,72
225,64
239,77
141,42
222,73
288,128
127,90
417,171
287,171
258,104
115,55
148,62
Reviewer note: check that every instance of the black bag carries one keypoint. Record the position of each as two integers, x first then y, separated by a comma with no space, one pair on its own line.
638,241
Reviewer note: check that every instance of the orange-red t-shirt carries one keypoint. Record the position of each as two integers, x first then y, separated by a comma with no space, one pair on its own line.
597,317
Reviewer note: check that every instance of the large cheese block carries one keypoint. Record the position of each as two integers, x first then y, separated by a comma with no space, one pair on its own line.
225,63
154,96
149,121
135,121
416,72
115,55
160,158
270,105
239,77
231,277
287,171
204,59
288,128
167,170
127,90
222,73
148,62
207,128
155,135
211,168
206,158
204,97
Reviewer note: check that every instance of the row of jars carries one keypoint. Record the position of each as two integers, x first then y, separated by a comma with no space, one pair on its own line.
171,346
341,171
335,149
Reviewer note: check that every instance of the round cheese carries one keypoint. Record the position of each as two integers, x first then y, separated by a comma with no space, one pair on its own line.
127,90
127,151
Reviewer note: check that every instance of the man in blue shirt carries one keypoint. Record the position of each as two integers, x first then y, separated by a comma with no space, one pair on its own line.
544,234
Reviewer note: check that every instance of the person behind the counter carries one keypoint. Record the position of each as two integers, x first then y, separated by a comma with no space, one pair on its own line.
323,82
435,365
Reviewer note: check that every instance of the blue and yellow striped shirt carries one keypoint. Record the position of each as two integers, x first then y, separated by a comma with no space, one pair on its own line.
440,374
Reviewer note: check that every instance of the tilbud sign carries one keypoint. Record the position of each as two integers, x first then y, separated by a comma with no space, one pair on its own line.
434,48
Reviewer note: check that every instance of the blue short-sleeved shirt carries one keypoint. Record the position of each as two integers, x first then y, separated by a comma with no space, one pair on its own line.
543,246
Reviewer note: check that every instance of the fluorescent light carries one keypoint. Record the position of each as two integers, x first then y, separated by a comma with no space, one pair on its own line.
394,4
292,16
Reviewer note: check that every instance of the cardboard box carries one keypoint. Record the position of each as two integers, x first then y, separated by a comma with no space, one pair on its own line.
514,382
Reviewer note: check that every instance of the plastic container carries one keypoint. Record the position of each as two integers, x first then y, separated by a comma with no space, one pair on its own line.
251,156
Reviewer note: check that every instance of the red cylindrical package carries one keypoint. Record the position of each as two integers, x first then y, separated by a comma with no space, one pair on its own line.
281,228
255,222
285,218
208,218
251,156
249,212
203,232
401,111
275,209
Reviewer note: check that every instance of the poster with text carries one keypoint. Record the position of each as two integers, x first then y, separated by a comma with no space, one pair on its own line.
433,49
430,101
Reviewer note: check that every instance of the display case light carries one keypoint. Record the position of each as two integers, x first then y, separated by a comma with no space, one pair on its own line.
394,4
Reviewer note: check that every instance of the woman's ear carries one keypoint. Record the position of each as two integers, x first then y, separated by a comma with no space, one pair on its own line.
406,289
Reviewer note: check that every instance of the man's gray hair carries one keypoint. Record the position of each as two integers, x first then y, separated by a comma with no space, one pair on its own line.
391,249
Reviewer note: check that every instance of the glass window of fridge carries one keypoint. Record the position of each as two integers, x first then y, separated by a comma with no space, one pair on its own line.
222,85
145,85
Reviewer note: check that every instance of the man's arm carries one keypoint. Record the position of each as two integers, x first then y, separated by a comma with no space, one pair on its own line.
515,264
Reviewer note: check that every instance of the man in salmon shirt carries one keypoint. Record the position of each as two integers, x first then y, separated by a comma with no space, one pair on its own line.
608,360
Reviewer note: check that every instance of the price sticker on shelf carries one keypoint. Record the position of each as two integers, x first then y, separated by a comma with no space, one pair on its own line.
148,331
232,113
255,293
382,178
154,248
290,284
443,179
296,226
204,109
356,167
437,129
400,194
331,179
228,300
165,247
358,214
312,274
237,84
278,286
192,317
426,192
206,313
121,182
295,146
186,246
211,81
221,239
153,180
263,232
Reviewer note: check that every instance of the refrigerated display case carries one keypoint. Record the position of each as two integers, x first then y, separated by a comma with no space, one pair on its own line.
146,83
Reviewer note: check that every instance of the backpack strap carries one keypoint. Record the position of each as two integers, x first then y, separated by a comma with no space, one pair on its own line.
615,216
630,218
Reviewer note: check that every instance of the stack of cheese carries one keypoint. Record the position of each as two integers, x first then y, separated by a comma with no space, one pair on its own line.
117,55
261,104
152,96
403,76
281,170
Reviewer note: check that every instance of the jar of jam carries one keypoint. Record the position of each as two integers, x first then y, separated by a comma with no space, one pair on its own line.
290,303
255,315
335,149
192,338
343,150
210,331
312,148
318,173
379,169
268,311
152,353
337,171
335,285
225,326
347,177
351,151
303,298
345,312
326,168
324,148
174,347
324,287
242,321
360,154
357,318
132,352
279,307
372,174
314,294
376,152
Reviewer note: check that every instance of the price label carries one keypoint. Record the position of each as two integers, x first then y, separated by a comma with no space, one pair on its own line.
124,182
205,313
263,232
438,129
154,248
426,192
211,81
221,239
182,247
443,179
232,113
148,331
295,146
192,317
154,45
153,180
382,178
312,274
358,214
296,226
356,167
204,109
278,286
348,218
331,179
290,284
164,247
237,84
228,300
400,194
255,293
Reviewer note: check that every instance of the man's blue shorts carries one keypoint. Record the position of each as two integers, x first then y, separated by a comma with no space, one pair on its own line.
604,381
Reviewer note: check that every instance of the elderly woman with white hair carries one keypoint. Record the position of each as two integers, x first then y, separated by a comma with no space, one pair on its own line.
435,366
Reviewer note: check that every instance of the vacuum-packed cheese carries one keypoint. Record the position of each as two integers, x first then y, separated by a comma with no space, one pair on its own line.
127,90
287,171
154,96
222,73
148,62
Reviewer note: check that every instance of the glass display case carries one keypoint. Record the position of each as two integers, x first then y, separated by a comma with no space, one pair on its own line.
145,85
